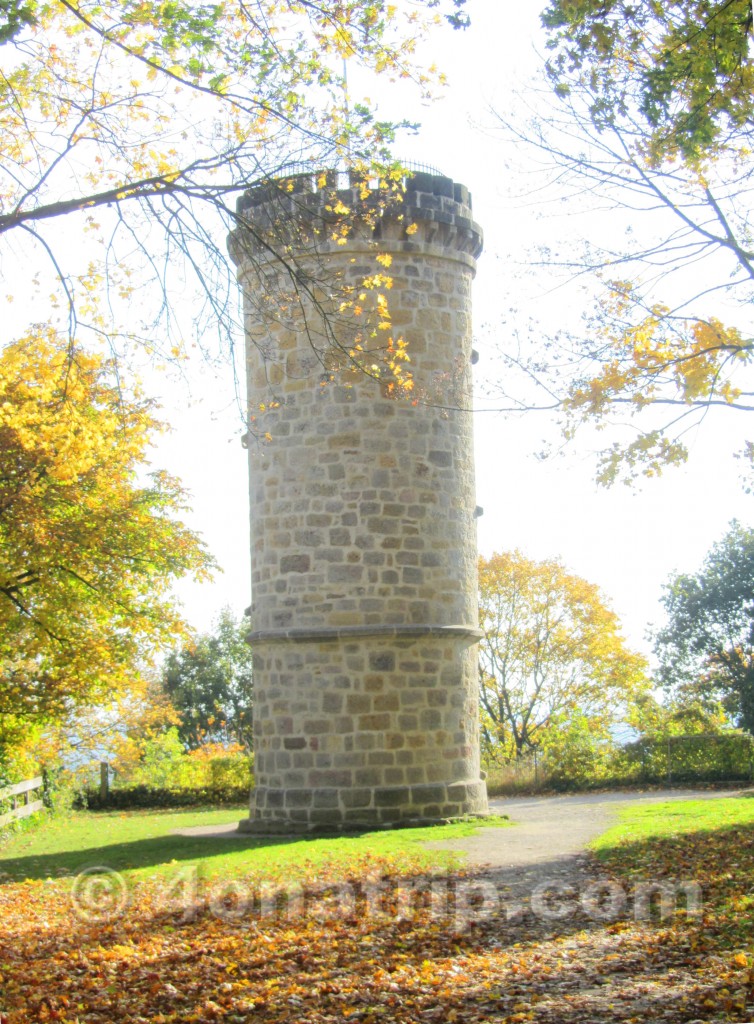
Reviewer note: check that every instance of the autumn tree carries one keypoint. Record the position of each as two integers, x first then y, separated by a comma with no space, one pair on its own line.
90,539
209,682
133,128
706,648
71,746
648,123
552,655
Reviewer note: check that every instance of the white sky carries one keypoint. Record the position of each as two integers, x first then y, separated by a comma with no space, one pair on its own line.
627,542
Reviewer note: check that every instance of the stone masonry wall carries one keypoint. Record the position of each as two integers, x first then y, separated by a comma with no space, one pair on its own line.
364,588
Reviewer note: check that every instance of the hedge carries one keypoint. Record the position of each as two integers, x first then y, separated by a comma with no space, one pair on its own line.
713,757
155,796
661,760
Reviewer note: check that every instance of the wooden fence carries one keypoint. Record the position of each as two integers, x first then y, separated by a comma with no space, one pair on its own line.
21,809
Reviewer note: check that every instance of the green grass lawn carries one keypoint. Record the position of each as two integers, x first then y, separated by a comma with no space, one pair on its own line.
142,843
639,827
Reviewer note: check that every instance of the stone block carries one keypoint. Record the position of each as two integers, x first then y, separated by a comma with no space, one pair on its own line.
430,719
345,573
366,816
451,810
378,756
421,795
356,797
393,796
295,563
387,701
322,778
367,777
298,797
382,661
373,722
441,458
324,817
294,742
340,536
358,703
325,798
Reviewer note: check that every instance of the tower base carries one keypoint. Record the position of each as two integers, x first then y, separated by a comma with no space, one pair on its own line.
384,808
370,728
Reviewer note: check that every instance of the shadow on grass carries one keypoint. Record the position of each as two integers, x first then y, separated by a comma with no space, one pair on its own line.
719,861
158,852
164,851
664,830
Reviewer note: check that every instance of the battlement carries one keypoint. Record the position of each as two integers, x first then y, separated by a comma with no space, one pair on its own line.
307,210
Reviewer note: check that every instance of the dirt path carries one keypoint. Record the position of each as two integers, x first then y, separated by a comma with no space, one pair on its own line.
535,888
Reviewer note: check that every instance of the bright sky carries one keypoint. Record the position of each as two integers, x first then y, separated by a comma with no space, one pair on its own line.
626,541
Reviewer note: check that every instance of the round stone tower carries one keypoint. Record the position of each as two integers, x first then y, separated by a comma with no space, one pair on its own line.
363,533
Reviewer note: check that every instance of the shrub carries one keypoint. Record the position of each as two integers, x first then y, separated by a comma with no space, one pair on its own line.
576,761
155,796
170,776
701,757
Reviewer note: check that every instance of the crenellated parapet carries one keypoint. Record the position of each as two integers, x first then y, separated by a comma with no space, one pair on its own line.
427,212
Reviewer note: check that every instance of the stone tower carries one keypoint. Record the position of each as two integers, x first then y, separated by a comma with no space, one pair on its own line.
364,582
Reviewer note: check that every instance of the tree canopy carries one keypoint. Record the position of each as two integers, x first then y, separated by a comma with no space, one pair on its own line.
552,655
209,683
90,540
647,128
132,128
706,649
683,65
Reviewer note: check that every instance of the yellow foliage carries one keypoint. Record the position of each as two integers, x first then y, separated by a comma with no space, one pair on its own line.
88,551
552,650
656,360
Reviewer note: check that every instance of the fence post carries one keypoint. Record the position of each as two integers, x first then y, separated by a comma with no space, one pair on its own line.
104,782
670,773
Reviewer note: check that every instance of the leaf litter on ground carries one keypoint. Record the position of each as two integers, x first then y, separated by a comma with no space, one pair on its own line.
386,941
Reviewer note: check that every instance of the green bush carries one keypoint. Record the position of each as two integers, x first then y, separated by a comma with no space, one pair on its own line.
167,765
155,796
170,776
232,771
714,757
574,760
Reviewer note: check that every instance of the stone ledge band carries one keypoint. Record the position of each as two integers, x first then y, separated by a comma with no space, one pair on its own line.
471,634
